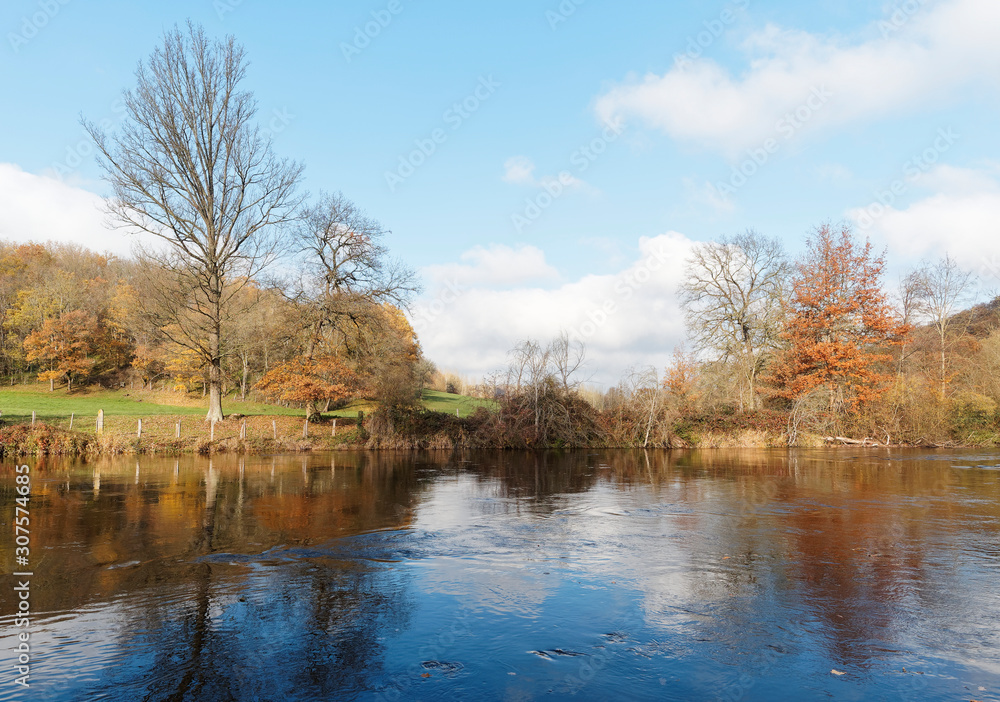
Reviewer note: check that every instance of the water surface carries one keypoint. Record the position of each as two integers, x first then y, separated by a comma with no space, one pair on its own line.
744,575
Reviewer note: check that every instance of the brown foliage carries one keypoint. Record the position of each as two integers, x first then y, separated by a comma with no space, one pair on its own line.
310,381
840,324
64,344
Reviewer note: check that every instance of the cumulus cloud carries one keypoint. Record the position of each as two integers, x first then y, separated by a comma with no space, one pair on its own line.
961,218
630,317
495,265
40,208
918,54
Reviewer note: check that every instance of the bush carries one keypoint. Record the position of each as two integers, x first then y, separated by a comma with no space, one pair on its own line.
972,413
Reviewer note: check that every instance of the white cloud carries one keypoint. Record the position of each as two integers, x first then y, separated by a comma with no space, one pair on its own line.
40,208
520,170
626,318
960,218
904,61
495,265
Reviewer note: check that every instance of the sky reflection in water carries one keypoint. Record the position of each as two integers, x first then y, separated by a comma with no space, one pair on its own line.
617,575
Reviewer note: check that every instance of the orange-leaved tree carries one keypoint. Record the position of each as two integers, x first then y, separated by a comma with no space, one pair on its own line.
64,344
680,379
840,324
310,381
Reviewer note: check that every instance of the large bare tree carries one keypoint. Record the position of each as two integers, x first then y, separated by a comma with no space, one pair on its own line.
190,167
732,296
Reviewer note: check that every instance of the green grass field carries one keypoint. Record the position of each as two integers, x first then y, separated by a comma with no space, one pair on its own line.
447,403
18,402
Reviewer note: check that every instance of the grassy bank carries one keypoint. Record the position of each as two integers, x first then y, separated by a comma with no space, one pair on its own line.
173,423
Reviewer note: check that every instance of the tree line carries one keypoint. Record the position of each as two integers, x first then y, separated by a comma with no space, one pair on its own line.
780,350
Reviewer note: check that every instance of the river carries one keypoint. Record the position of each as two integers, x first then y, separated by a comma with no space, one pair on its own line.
715,575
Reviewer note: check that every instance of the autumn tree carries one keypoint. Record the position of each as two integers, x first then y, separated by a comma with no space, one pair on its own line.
64,345
384,348
840,324
264,335
309,382
732,296
680,378
190,168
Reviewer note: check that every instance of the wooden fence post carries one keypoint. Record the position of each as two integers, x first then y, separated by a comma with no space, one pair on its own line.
32,417
138,431
100,421
274,429
211,435
305,430
71,416
333,432
177,433
243,430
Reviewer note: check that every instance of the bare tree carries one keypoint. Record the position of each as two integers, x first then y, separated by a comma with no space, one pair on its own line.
567,358
644,387
943,289
911,309
190,167
347,268
733,296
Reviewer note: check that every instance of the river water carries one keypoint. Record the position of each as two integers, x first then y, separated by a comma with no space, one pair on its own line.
725,575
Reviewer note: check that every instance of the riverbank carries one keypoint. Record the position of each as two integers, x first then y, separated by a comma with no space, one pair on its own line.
36,422
165,423
264,435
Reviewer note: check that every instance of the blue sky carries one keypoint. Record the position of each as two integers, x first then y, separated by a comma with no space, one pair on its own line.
886,93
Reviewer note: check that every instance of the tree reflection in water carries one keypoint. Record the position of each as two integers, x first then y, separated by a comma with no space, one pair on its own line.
731,574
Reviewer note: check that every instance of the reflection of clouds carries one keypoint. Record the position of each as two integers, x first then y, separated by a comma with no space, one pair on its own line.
508,555
717,570
482,555
67,649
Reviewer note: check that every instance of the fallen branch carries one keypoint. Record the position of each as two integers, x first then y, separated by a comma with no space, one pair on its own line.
852,442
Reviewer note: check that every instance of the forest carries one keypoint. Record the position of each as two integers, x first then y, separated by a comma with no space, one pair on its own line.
780,352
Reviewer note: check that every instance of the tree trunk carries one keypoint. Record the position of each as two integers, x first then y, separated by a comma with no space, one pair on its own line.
312,411
246,373
944,372
215,377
